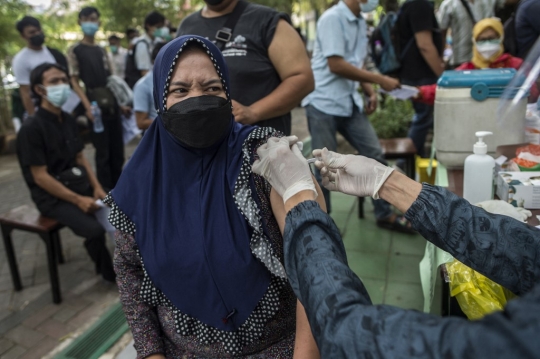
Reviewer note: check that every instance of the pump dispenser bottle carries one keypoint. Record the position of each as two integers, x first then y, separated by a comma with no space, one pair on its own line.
478,172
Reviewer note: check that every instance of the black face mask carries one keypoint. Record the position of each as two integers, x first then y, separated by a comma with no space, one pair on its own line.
199,122
37,40
213,2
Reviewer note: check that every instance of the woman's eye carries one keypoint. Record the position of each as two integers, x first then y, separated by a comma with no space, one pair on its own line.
214,89
179,90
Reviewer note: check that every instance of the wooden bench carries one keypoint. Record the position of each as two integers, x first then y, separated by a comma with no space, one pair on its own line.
395,148
27,218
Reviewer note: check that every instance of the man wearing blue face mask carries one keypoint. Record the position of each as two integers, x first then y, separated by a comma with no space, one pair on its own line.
117,56
139,60
89,63
60,179
335,105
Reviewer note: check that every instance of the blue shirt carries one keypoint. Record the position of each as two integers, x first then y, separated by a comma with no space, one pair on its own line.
344,322
339,33
143,95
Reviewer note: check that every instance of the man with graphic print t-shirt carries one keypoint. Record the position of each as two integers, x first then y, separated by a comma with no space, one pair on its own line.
268,64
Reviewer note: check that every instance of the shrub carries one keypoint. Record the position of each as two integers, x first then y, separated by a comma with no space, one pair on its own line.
392,118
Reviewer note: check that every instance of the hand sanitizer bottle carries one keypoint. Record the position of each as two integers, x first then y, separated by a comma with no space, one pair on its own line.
478,172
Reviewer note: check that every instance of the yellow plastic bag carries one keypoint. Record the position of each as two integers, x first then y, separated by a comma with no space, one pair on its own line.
476,294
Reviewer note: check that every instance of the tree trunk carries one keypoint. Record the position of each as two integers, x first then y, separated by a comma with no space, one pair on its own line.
5,116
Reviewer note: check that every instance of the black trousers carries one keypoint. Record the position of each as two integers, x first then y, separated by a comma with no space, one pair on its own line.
109,146
86,226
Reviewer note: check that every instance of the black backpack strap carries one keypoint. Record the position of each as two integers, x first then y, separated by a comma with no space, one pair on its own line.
469,11
59,57
224,34
135,50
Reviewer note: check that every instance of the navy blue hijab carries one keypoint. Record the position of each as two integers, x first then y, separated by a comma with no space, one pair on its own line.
193,240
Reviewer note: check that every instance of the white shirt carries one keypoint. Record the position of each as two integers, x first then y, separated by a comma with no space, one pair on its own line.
118,61
143,52
26,60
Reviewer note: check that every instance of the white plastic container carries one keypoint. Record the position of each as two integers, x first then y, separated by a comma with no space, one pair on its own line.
532,124
478,172
466,102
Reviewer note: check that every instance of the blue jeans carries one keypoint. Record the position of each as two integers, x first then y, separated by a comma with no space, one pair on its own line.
358,131
423,118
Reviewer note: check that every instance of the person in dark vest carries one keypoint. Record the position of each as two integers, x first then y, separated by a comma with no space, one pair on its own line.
60,179
267,60
139,61
527,26
35,53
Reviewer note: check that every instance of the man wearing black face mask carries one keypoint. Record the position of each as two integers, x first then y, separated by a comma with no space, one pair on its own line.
33,55
268,64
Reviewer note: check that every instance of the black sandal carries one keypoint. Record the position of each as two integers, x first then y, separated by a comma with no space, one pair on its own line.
399,224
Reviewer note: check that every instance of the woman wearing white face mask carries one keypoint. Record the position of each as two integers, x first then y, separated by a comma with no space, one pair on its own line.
488,52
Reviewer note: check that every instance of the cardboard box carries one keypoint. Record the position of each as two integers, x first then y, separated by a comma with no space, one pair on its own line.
521,189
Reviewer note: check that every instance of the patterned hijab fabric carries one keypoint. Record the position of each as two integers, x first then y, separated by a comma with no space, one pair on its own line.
198,229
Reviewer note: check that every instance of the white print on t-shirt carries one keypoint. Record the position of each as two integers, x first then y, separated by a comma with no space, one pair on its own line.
234,48
238,47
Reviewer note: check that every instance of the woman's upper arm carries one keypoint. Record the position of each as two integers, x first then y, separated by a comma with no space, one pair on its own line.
278,207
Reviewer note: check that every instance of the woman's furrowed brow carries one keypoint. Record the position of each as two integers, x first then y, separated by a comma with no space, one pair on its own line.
211,82
180,83
204,84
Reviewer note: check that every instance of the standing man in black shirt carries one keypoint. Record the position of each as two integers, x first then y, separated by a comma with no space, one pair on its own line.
268,64
89,63
422,46
58,175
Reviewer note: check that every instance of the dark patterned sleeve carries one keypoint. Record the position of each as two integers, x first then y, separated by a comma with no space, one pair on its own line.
346,325
503,249
141,317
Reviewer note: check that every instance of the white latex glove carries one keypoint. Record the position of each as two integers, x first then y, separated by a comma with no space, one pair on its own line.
504,208
292,140
355,175
284,167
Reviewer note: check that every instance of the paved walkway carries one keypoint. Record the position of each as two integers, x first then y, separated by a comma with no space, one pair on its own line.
30,324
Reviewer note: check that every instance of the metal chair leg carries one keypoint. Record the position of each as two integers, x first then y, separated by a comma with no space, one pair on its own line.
360,207
12,260
409,163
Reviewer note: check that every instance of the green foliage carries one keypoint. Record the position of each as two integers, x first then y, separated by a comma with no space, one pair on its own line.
10,11
118,15
285,6
393,118
55,27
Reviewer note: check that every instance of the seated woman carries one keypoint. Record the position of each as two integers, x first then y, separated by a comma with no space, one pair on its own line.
488,52
199,256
